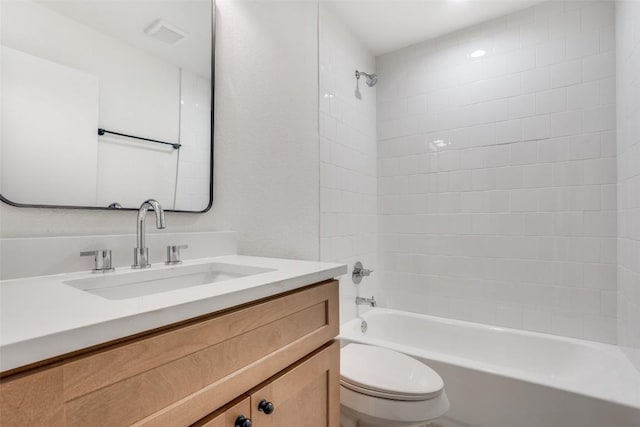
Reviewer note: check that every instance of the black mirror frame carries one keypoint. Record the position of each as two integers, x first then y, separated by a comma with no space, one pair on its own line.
213,74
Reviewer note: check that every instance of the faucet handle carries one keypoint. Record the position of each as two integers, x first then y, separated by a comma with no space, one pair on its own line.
173,254
101,260
359,272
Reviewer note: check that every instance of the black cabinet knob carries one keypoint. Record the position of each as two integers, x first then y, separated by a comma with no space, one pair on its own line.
266,407
243,421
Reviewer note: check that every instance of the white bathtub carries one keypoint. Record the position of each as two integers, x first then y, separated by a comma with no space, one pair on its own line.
500,377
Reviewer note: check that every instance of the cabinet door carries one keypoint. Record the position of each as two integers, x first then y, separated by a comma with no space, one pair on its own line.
229,417
307,395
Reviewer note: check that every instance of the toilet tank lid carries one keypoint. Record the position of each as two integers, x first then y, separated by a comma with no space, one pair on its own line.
385,370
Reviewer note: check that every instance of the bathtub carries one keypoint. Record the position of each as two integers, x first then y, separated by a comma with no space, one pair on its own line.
501,377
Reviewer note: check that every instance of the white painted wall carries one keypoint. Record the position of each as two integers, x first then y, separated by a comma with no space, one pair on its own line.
266,180
628,114
497,175
348,187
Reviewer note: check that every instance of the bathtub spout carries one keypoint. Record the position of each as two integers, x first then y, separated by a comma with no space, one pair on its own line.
366,301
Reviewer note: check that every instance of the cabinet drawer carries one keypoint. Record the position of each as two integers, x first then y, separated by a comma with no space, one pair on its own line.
228,416
180,374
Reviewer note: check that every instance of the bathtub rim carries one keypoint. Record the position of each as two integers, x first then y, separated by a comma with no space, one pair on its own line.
348,334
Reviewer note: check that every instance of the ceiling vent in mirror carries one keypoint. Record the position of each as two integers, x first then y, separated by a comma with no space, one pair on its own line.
165,32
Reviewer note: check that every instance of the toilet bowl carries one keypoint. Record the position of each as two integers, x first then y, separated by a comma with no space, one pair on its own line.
381,387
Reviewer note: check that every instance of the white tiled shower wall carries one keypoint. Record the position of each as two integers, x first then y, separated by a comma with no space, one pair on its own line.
497,175
628,114
348,183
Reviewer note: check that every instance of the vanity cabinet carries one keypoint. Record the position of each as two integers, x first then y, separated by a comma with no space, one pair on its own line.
230,416
280,349
303,396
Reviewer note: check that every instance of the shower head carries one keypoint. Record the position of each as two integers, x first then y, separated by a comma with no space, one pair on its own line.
372,79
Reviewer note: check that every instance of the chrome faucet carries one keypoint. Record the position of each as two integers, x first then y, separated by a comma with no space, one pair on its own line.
141,252
359,272
366,301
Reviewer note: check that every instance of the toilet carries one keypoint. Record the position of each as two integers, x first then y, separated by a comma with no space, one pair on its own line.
380,387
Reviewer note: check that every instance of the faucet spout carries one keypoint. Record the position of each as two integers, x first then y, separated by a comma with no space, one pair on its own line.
366,301
141,252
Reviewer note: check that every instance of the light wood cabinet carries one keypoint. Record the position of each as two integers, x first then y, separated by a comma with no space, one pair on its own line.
303,396
231,416
186,373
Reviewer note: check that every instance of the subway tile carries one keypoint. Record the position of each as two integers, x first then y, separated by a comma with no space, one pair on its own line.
566,73
599,328
582,96
580,300
524,200
494,66
600,171
569,223
548,9
534,33
522,106
521,60
582,198
537,320
550,199
567,325
523,153
539,224
552,150
496,177
537,175
507,86
568,173
607,91
483,179
509,177
585,44
609,303
597,15
585,146
497,155
567,24
600,223
535,80
552,101
508,131
472,159
599,66
449,160
566,123
600,276
534,128
550,53
600,119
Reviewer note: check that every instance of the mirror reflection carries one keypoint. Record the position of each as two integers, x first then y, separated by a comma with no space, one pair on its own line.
106,103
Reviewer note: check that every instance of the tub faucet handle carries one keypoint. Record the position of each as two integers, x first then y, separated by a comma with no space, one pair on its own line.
359,272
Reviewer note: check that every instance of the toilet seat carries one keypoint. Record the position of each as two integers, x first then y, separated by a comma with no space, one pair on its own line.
385,395
384,373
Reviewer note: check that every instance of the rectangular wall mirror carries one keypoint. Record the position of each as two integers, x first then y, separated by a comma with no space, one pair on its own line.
106,103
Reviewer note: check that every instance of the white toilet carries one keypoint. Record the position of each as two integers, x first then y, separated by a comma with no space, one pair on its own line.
381,387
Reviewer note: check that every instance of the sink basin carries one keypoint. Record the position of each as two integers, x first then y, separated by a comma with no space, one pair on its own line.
140,283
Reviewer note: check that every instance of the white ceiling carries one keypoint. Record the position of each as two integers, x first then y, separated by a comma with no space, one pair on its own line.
126,20
387,25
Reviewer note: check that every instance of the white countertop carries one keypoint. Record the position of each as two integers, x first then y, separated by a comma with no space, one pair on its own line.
41,317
